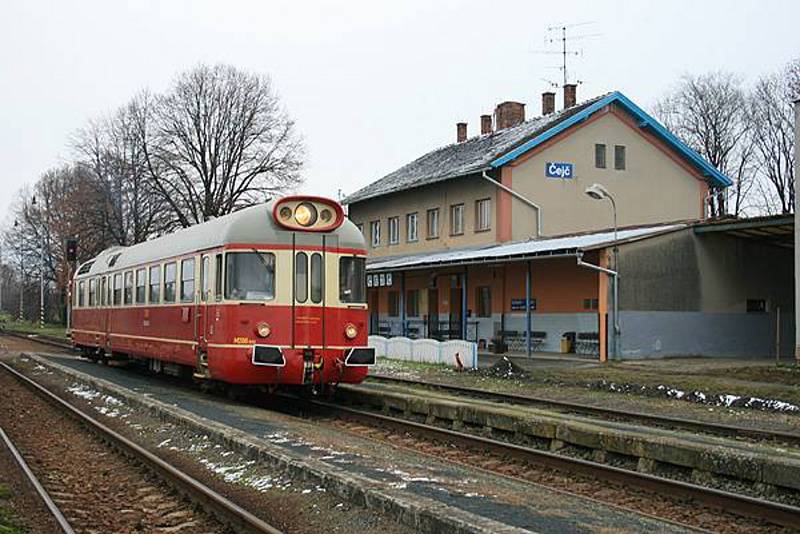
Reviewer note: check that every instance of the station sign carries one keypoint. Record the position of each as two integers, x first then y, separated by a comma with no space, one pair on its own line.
379,280
560,170
519,304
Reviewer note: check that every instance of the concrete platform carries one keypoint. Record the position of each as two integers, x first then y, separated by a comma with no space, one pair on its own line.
427,494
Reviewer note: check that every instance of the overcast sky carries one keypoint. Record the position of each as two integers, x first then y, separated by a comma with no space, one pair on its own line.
371,85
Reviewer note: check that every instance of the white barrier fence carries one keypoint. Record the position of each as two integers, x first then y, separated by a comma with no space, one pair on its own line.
426,350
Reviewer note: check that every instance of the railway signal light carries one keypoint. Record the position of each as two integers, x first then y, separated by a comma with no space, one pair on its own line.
72,249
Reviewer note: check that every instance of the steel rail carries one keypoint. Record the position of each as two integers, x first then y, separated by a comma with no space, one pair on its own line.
769,511
239,519
51,506
719,429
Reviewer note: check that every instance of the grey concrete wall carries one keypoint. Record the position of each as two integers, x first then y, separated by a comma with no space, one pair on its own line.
648,334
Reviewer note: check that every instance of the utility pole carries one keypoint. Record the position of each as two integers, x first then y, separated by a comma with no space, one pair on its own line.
41,284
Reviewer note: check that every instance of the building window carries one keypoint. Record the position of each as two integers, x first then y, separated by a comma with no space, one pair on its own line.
619,157
155,284
483,214
412,233
433,223
484,301
129,287
375,233
457,219
412,303
394,304
590,304
600,156
394,230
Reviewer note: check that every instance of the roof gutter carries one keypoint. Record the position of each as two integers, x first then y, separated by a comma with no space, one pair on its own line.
520,198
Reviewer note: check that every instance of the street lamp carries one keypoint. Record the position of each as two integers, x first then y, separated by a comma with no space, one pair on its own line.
598,192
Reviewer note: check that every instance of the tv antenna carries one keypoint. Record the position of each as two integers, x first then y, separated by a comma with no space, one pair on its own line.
561,33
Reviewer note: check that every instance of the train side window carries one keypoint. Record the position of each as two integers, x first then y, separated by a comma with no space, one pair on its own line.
128,287
155,284
301,277
170,272
110,296
117,289
187,280
103,291
92,292
81,288
141,284
205,282
218,276
352,279
316,278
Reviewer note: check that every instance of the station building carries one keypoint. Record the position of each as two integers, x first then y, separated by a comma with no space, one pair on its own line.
494,239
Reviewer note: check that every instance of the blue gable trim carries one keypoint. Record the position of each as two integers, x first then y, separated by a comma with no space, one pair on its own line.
644,120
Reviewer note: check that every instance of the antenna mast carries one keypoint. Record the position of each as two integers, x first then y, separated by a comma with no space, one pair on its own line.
558,33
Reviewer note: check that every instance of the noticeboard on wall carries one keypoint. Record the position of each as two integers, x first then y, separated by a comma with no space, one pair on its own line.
380,280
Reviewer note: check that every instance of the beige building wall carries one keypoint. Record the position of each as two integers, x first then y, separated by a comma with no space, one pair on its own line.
653,187
419,200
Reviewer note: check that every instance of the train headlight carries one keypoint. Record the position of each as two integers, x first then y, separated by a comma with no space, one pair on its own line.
286,213
263,330
350,331
305,214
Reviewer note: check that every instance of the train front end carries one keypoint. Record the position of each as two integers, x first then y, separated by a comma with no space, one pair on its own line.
295,310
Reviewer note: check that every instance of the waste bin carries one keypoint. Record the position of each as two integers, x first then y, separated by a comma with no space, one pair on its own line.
567,342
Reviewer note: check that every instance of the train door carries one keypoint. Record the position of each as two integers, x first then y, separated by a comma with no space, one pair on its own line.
206,298
309,283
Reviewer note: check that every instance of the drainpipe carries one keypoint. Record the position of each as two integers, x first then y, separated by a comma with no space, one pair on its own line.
614,275
520,198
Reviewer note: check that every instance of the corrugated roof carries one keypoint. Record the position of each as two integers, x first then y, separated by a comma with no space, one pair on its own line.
459,159
522,249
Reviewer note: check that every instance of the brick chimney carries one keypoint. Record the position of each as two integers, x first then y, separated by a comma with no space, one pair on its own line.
548,102
486,124
570,95
509,114
461,132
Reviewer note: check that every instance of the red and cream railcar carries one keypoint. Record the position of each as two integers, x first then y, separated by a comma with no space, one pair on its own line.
271,294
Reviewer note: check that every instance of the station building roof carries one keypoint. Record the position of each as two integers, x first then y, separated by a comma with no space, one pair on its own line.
571,245
500,147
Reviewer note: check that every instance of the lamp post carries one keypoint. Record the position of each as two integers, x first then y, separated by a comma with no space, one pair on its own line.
41,275
598,192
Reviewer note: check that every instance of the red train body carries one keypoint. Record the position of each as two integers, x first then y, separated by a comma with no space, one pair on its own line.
272,294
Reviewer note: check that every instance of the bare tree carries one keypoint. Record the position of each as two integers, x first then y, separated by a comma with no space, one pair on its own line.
218,141
771,110
708,113
111,150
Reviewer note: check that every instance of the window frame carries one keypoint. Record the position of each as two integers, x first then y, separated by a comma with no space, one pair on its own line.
620,162
158,293
394,236
136,286
117,290
412,230
174,282
460,209
478,214
600,156
393,303
316,278
432,229
127,289
81,289
412,303
360,262
301,284
483,301
185,281
226,281
375,233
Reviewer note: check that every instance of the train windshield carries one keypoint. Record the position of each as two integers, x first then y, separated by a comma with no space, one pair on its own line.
352,279
250,276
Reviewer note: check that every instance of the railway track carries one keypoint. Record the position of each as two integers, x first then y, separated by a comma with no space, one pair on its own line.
203,497
42,493
716,429
761,509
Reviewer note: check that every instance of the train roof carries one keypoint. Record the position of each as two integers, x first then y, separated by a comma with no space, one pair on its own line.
253,225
